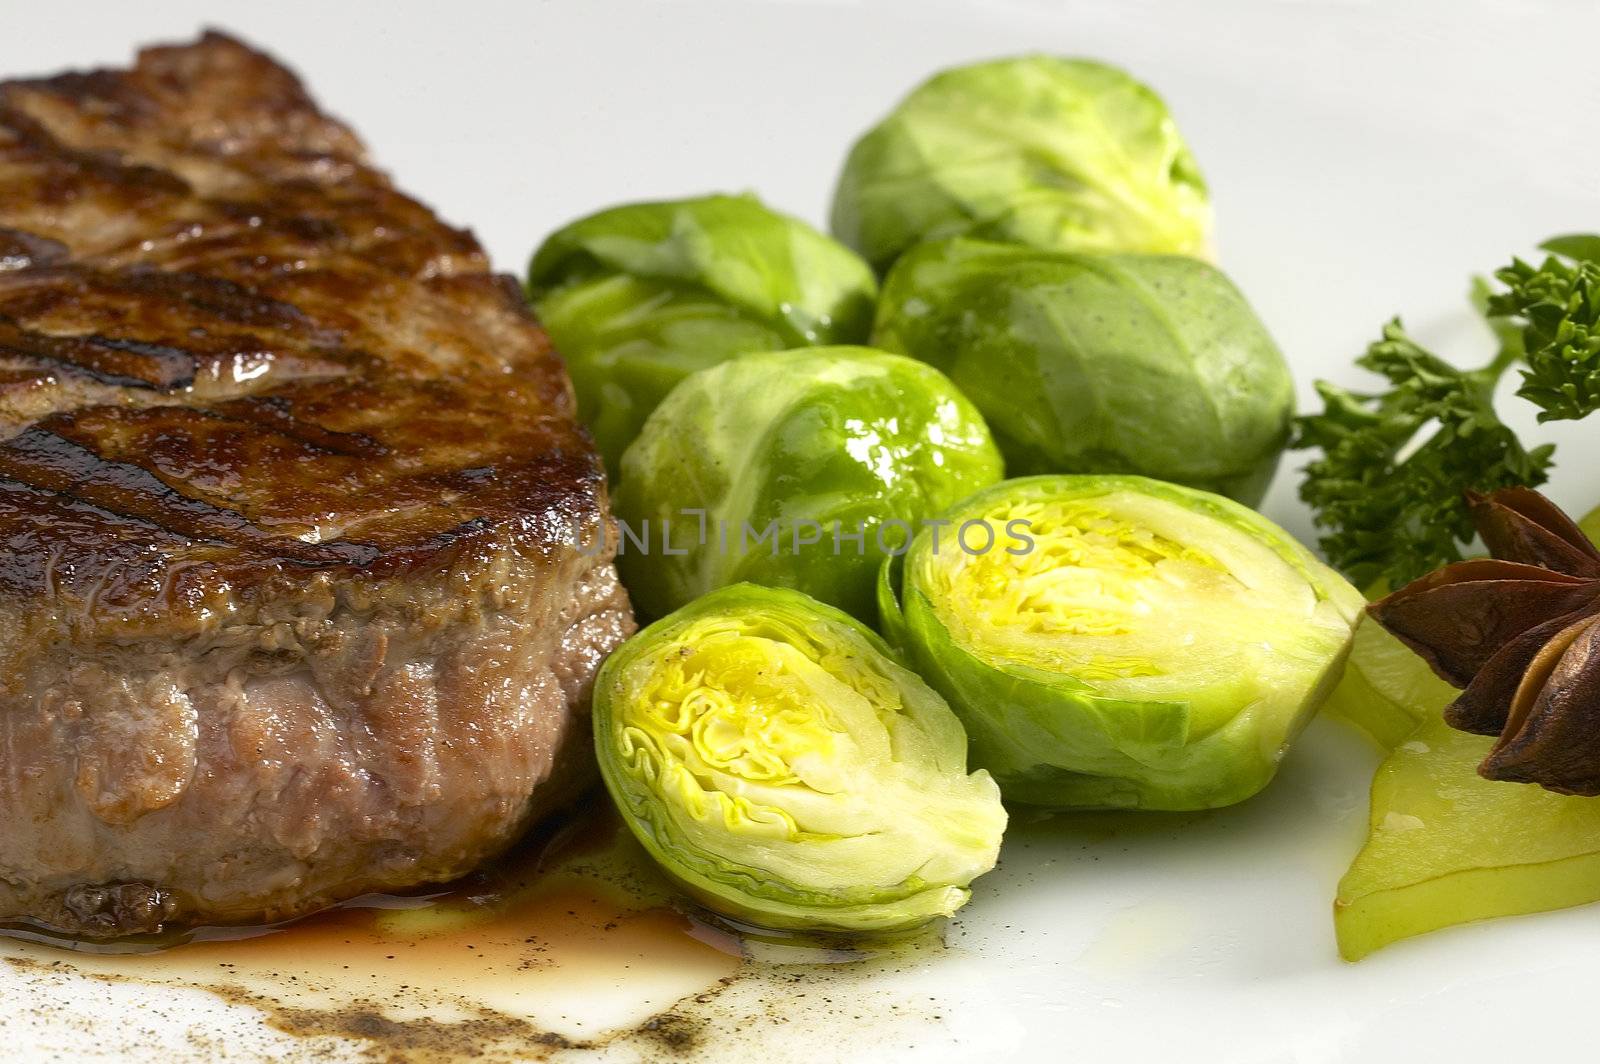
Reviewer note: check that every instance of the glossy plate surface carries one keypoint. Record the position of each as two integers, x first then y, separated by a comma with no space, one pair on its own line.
1365,159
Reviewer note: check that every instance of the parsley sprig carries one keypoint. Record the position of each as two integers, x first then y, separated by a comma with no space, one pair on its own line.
1560,302
1389,487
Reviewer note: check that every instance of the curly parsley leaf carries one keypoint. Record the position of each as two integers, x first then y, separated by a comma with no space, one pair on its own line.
1389,487
1583,247
1558,304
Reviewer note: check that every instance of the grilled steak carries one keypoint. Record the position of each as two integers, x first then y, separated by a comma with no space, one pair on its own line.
303,572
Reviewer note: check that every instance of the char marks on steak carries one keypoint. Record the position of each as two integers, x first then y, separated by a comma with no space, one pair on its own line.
303,578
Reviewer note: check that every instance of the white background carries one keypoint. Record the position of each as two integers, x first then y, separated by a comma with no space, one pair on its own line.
1365,158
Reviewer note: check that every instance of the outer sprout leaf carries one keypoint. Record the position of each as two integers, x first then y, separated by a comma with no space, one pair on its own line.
1148,646
1054,153
1146,364
638,297
816,444
780,765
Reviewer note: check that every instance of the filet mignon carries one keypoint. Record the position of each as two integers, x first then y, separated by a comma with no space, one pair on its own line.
304,569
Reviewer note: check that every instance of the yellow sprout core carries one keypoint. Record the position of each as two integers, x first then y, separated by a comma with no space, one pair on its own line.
1135,597
769,745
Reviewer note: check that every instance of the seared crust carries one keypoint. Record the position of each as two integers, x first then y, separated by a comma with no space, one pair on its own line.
305,575
228,347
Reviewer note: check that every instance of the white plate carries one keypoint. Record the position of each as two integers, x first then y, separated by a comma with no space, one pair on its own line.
1365,158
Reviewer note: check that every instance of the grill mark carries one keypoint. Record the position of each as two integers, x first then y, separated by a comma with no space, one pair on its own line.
109,360
276,414
318,232
211,318
24,572
159,535
101,90
42,459
222,299
31,135
282,202
450,536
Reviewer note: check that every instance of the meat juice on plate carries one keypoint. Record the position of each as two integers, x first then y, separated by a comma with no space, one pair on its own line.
539,934
570,940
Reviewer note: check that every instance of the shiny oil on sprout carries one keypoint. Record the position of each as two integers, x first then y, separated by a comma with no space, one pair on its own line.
779,764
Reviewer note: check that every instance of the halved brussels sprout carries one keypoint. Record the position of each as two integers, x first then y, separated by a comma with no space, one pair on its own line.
794,469
1122,643
1142,364
775,760
1056,153
640,296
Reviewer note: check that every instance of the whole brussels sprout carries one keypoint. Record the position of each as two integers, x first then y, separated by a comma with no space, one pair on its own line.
794,469
1123,643
1142,364
770,754
640,296
1057,153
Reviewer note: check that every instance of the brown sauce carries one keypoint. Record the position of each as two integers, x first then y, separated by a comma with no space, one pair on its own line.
541,935
571,941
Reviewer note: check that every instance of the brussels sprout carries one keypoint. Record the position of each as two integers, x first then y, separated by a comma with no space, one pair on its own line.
1099,364
1056,153
638,297
1122,642
794,469
774,759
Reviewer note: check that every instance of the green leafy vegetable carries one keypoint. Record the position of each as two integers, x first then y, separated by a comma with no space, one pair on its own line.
1056,153
1125,643
1389,487
1560,302
773,757
795,469
1582,247
1147,364
1396,508
640,296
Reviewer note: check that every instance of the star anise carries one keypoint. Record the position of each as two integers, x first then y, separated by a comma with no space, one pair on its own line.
1520,633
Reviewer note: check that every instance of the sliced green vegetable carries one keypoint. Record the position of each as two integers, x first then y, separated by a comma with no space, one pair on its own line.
1146,364
1387,690
1591,525
794,469
1448,847
640,296
1128,643
778,763
1057,153
1445,845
